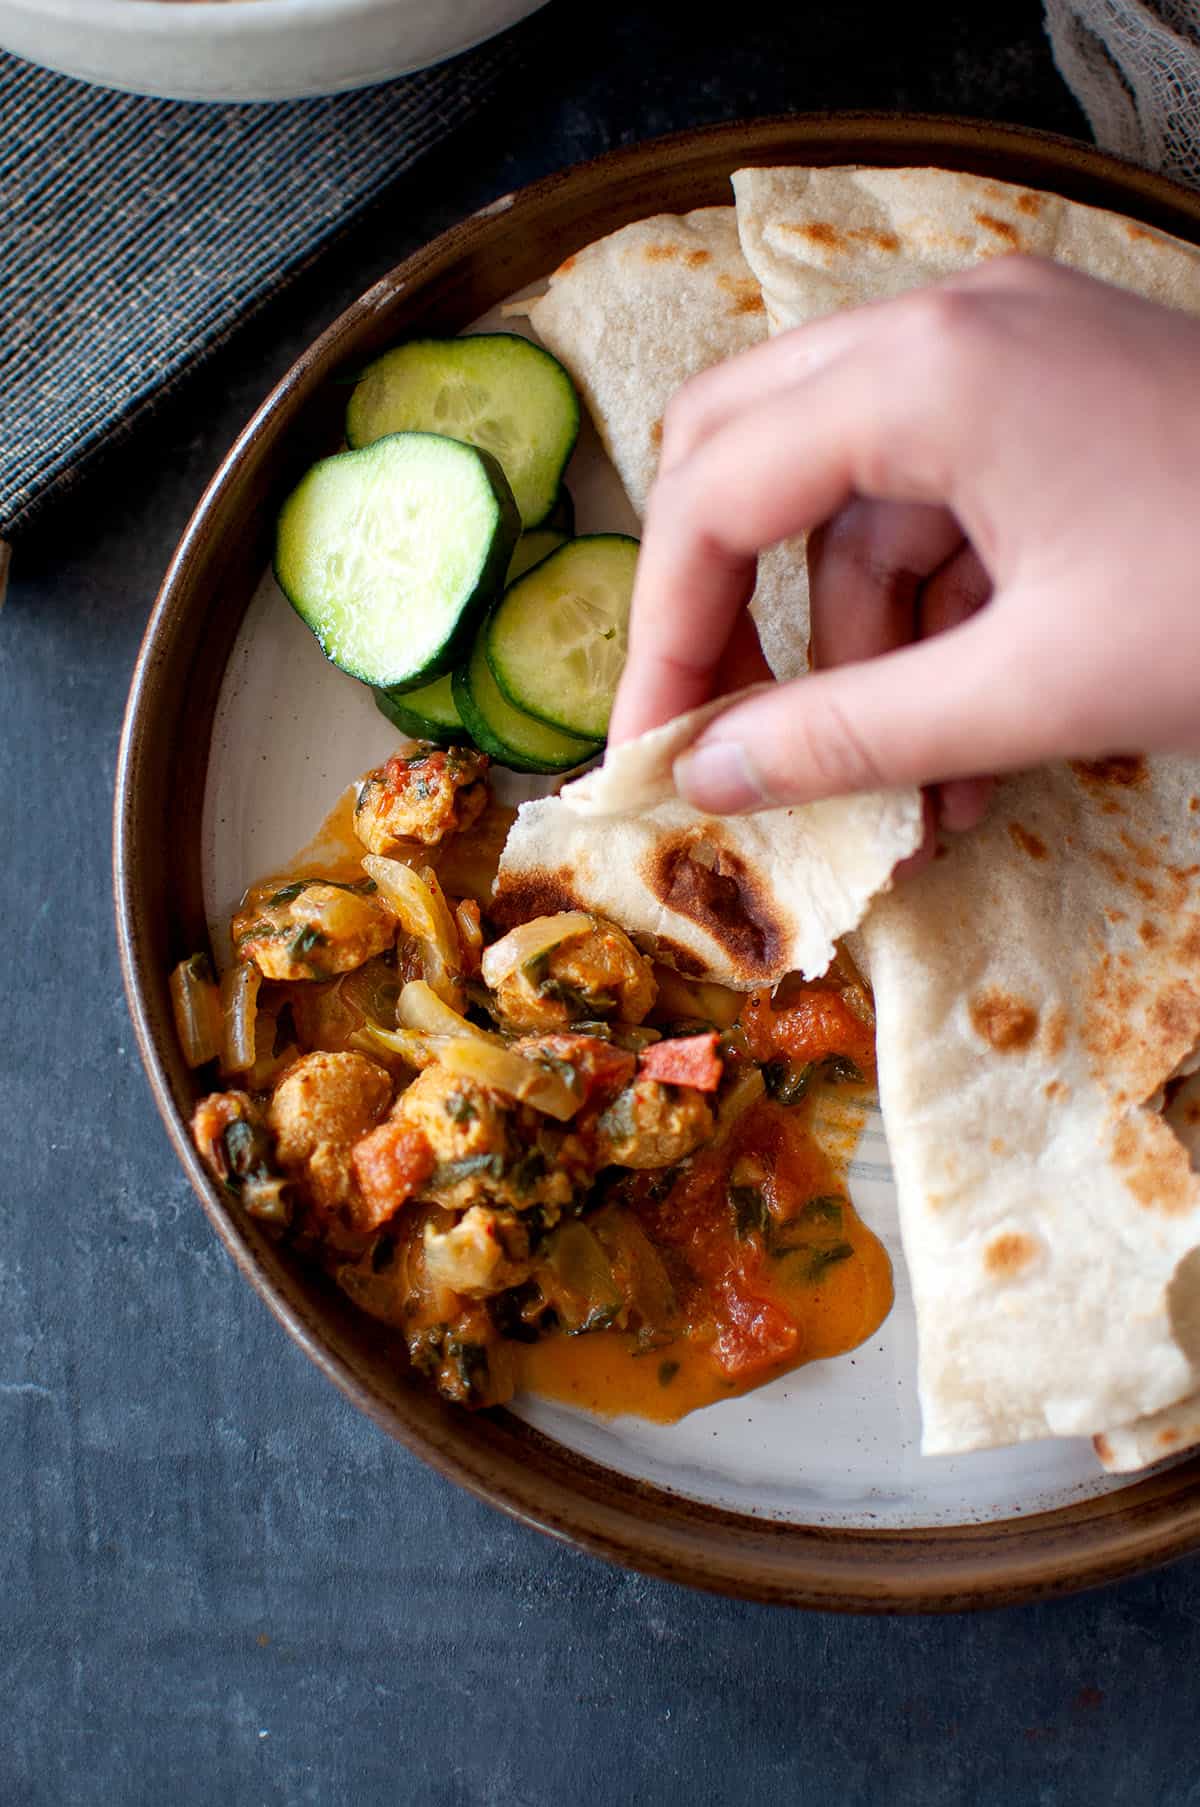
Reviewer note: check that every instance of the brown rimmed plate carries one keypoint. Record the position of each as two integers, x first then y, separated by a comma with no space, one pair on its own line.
160,798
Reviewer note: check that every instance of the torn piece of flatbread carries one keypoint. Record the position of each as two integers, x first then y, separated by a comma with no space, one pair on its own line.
1177,1428
639,774
1034,988
632,317
742,900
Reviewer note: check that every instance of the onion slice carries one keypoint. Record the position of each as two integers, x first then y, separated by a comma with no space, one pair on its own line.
415,1050
489,1064
418,902
196,1004
419,1007
239,1012
528,940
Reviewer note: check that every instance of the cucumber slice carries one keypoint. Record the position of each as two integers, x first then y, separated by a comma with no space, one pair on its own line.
493,390
556,643
510,736
562,515
532,548
391,554
429,713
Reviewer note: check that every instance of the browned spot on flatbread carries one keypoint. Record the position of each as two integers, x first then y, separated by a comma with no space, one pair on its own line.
1136,232
656,432
1055,1088
522,896
701,877
1009,1254
1116,916
837,238
745,293
997,1145
1113,867
1004,230
1027,841
1149,931
1194,804
673,954
1127,769
1143,856
1030,203
1176,1016
694,259
567,264
1154,1165
1102,1447
1006,1023
661,253
1167,1437
818,232
1054,1032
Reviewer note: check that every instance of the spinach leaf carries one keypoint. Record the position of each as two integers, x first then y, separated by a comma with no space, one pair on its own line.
786,1080
750,1213
824,1212
305,942
448,1173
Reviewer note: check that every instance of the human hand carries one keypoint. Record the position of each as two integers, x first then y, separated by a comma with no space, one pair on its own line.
1001,480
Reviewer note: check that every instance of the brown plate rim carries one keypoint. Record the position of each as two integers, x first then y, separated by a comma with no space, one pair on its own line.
943,1568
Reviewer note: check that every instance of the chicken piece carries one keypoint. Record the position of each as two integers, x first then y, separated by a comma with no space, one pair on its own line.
653,1125
422,796
471,1257
311,928
321,1107
596,972
466,1128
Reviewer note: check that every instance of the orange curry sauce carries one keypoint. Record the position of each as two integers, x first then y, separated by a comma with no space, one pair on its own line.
798,1278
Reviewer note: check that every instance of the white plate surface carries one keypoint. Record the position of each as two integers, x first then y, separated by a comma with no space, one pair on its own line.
835,1443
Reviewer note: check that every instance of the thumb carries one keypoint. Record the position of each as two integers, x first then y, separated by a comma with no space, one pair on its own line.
947,707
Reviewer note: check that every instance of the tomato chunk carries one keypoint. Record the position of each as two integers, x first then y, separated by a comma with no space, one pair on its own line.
819,1023
687,1060
754,1334
391,1163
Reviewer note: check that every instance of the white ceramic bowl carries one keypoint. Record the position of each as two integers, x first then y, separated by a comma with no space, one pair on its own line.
247,49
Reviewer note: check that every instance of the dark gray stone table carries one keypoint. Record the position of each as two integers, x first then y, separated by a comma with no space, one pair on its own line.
220,1584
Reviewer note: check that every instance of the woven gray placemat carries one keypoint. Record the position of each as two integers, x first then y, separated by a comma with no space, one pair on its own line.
135,234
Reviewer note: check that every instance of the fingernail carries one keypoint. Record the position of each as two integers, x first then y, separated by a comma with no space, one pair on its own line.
718,778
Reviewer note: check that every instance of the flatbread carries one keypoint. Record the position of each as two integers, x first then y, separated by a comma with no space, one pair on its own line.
1044,1214
822,239
632,317
639,774
1170,1432
742,900
1034,988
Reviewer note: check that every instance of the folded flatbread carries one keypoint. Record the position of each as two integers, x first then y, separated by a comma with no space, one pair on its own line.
822,239
632,317
742,900
1037,985
1034,989
1177,1428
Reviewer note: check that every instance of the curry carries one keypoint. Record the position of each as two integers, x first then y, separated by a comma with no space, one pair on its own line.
545,1159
